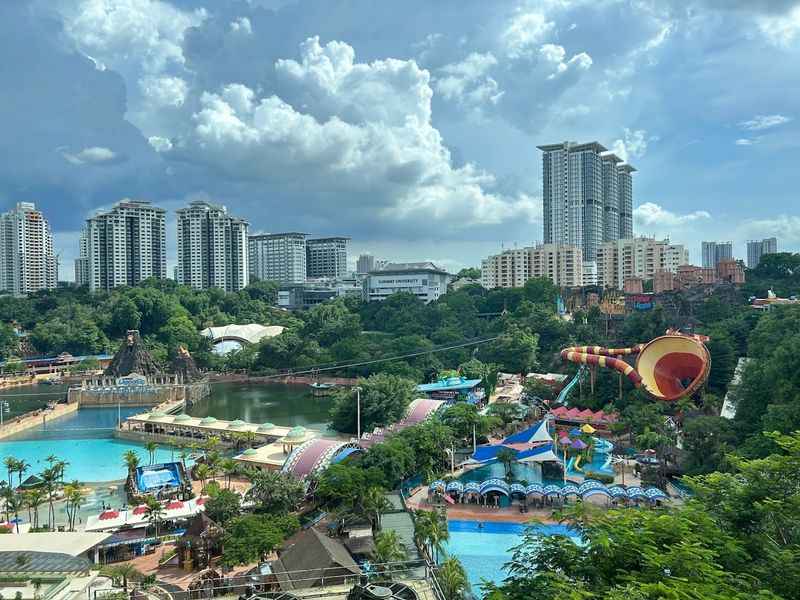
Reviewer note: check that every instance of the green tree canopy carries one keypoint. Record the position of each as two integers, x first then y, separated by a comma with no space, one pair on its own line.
384,400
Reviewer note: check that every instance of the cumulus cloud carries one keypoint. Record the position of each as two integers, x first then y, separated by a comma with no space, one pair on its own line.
651,214
524,33
164,91
363,129
241,25
780,29
555,55
633,144
785,227
744,142
93,155
760,122
468,82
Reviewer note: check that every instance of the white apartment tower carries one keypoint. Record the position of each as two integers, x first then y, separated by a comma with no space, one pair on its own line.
123,246
27,260
277,257
212,248
639,258
326,257
563,265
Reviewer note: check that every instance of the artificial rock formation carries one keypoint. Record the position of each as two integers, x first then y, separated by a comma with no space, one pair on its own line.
184,366
132,357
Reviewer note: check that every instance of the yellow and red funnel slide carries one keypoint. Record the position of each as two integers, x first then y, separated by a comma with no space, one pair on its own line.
668,367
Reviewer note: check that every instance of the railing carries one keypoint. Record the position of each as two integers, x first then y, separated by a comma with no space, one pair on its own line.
314,579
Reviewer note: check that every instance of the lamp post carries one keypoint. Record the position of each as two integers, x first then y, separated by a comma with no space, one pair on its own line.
358,412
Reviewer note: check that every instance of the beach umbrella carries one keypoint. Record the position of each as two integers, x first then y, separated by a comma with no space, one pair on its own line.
578,445
565,441
575,431
588,429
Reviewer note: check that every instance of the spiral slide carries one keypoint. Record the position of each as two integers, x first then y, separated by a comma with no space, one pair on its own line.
668,367
564,393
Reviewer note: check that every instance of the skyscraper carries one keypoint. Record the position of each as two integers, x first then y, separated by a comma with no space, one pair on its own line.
212,248
277,257
365,264
326,257
587,196
27,261
123,246
714,252
758,248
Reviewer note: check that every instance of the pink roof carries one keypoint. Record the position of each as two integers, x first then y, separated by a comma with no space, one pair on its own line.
311,454
109,514
139,510
174,504
420,409
586,415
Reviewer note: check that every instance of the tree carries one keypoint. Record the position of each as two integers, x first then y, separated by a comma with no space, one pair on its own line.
330,322
229,467
514,351
706,442
131,459
155,513
275,492
507,457
11,467
249,538
122,572
74,499
384,400
430,532
453,579
375,504
35,498
202,471
389,549
346,486
469,273
464,419
151,448
224,506
50,476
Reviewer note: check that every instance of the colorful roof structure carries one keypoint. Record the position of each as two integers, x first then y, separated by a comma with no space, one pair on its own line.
450,384
313,456
536,433
576,415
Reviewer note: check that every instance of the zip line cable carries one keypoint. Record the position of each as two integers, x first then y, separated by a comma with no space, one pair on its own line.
322,367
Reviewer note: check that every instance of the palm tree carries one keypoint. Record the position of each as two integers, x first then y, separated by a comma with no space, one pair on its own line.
229,467
430,531
375,504
22,466
453,579
74,497
35,500
122,571
151,448
11,467
50,478
155,513
183,454
14,502
202,471
507,457
131,460
389,549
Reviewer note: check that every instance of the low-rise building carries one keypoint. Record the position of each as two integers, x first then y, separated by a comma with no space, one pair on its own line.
563,265
639,257
424,279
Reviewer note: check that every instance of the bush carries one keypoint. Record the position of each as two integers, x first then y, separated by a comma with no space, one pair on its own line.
601,477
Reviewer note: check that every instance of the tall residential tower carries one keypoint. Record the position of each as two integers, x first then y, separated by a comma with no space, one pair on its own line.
758,248
278,257
27,260
212,248
123,246
326,257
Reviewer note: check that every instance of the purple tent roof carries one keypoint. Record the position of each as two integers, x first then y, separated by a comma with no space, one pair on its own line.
578,445
564,441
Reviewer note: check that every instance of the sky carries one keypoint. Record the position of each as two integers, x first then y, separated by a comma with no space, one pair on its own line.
410,125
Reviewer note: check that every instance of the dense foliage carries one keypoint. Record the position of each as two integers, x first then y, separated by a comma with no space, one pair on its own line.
384,400
250,538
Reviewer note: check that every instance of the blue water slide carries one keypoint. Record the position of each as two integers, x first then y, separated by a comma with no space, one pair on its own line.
564,394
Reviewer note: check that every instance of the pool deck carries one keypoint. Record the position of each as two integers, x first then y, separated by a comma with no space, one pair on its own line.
418,500
36,418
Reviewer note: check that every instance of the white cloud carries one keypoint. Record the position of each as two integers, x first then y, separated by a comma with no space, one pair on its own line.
160,144
744,142
760,122
137,34
780,30
93,155
525,31
633,144
467,81
651,214
377,140
164,91
785,227
555,55
241,26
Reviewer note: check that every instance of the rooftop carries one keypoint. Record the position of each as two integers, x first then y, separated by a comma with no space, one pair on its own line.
409,266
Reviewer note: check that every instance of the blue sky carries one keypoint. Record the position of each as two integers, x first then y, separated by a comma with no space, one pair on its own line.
411,126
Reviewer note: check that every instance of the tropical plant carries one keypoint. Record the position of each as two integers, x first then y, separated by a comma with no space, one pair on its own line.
151,448
11,467
453,579
155,513
122,572
507,457
274,492
375,504
131,459
50,479
74,498
229,467
35,498
202,471
430,532
14,503
22,467
389,549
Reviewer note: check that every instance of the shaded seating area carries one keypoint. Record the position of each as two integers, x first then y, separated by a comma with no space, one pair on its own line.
490,492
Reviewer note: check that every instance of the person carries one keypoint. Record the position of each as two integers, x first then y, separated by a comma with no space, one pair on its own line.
480,524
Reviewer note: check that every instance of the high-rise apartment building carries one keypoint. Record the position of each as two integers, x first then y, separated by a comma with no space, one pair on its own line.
27,260
277,257
365,264
563,265
587,196
639,257
123,246
714,252
758,248
326,257
212,248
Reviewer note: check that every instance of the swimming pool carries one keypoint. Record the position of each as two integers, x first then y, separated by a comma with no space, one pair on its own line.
484,548
521,472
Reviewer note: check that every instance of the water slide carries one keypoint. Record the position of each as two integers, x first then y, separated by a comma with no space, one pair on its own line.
570,463
564,393
577,465
669,367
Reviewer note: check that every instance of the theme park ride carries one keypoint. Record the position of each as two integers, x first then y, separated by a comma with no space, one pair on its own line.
668,368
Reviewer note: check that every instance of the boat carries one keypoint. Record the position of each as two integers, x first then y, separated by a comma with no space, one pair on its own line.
321,389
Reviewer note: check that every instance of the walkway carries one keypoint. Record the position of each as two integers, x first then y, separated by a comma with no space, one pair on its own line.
399,520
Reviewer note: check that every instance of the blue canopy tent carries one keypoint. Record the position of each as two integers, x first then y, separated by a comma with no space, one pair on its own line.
617,491
570,490
552,490
454,486
517,489
636,493
543,453
494,485
488,453
534,489
536,433
472,487
653,494
437,486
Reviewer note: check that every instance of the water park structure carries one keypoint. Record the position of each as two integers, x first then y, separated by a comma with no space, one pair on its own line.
667,368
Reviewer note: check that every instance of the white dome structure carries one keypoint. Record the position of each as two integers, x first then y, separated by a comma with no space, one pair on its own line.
228,338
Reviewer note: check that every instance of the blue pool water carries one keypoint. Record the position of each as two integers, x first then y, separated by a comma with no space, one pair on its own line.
485,550
597,465
84,440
